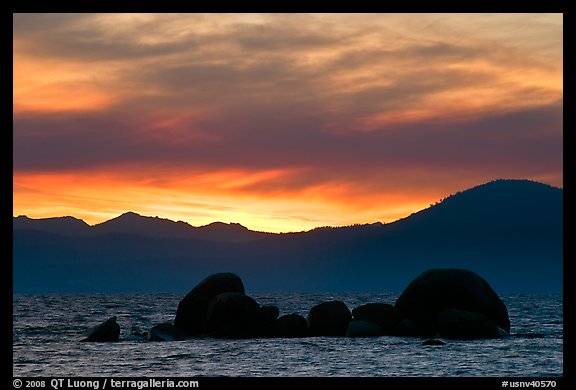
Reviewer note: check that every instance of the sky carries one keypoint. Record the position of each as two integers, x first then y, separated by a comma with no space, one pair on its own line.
280,122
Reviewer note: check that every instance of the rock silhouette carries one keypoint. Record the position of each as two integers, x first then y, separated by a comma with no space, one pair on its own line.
233,315
462,324
382,314
192,309
406,328
433,342
448,303
108,331
437,290
165,332
291,326
267,320
329,319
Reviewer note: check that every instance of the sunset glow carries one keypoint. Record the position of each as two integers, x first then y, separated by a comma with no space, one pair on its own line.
280,122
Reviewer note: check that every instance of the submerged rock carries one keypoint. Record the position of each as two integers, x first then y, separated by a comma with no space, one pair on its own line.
192,309
433,342
291,326
165,332
108,331
439,289
329,319
358,328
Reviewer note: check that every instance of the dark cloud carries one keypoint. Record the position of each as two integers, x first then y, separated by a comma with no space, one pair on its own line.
217,78
290,94
526,142
285,36
35,24
84,37
410,90
75,37
437,53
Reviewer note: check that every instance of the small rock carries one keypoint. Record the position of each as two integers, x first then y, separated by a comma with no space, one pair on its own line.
433,342
108,331
165,332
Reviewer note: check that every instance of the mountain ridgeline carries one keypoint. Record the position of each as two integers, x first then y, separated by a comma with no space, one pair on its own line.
508,231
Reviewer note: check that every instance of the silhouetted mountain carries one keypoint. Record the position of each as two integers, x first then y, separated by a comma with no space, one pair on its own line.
132,223
508,231
135,224
66,226
229,232
519,203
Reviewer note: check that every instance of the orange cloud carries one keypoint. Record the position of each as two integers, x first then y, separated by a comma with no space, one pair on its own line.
279,122
200,198
57,86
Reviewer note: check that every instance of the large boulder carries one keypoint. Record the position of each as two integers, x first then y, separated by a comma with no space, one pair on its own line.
233,315
291,326
329,319
165,332
107,331
358,328
267,320
406,328
462,324
269,313
439,289
382,314
192,309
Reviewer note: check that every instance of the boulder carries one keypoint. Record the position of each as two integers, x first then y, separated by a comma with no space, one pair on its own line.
269,313
192,309
358,328
291,326
165,332
329,319
267,320
382,314
439,289
233,315
462,324
107,331
406,328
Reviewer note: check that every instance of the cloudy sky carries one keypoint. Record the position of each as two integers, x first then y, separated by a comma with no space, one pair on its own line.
281,122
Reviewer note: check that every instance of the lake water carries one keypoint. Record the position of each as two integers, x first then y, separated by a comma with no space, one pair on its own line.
47,330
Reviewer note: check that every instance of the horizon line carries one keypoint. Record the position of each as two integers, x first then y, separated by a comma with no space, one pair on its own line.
300,231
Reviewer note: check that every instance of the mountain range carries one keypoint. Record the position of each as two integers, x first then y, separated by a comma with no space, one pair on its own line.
132,223
508,231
